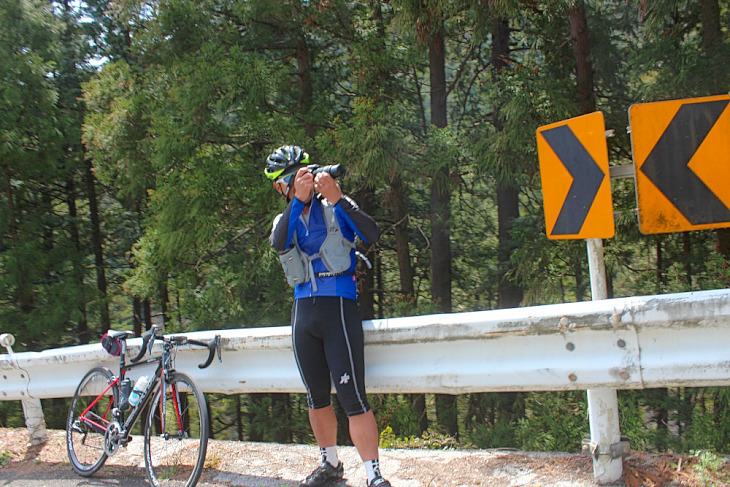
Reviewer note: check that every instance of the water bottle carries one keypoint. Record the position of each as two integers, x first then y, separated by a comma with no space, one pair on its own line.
125,389
138,390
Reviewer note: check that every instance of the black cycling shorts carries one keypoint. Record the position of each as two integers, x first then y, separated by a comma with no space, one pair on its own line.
328,347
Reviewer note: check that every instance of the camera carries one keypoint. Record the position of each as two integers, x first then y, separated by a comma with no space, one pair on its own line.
335,170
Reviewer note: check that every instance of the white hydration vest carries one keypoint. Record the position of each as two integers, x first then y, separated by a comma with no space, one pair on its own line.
334,252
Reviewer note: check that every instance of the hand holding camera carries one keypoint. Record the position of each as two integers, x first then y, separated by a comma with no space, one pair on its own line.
322,179
326,185
304,185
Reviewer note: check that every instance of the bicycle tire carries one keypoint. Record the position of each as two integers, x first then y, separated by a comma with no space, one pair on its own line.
175,455
84,440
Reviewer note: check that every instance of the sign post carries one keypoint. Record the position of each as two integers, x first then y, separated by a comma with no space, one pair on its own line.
603,402
681,152
577,200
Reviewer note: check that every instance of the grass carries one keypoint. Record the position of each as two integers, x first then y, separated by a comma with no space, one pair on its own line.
4,457
709,468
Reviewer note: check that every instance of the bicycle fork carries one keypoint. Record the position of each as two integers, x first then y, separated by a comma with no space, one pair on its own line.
175,394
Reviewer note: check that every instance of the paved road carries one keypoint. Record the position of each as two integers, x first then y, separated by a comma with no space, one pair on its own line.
62,477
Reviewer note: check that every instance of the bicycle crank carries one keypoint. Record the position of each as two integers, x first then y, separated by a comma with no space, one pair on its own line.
113,438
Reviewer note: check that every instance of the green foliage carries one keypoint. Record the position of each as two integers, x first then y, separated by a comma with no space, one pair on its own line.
395,413
55,412
554,421
5,457
490,419
429,440
680,419
632,420
11,414
192,95
709,467
263,410
43,270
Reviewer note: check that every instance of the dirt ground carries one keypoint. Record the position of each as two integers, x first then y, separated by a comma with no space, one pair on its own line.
246,464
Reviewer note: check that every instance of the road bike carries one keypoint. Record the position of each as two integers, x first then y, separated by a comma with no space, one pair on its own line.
101,416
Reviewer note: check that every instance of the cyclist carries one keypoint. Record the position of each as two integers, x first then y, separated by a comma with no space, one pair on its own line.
314,237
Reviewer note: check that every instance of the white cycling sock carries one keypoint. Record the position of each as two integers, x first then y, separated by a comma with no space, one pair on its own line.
329,455
372,468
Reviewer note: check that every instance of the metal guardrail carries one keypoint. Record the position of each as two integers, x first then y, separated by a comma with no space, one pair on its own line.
627,343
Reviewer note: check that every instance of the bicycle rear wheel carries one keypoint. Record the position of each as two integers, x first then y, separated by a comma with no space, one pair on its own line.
176,434
88,420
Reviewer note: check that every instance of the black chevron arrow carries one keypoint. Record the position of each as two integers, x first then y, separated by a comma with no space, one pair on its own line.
587,179
666,165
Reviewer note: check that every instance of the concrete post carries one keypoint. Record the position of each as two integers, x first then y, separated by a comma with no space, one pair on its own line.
32,409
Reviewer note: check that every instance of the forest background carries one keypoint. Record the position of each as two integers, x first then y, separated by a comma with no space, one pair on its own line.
132,140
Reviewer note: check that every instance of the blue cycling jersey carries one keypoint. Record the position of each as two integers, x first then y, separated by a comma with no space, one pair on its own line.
311,230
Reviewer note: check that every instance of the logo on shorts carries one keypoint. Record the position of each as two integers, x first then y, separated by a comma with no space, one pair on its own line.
345,378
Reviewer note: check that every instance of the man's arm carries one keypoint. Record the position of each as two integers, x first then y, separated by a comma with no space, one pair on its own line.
363,224
281,234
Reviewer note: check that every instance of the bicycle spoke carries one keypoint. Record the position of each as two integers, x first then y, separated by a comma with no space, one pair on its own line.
176,434
88,418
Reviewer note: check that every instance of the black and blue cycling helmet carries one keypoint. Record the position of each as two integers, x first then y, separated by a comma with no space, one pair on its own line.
285,160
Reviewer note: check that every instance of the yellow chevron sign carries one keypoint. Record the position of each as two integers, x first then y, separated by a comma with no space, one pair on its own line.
576,188
681,152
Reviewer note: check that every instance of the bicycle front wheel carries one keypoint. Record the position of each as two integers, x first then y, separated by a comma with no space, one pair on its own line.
88,417
176,434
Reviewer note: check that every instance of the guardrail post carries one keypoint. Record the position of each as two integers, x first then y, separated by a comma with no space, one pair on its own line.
602,403
32,409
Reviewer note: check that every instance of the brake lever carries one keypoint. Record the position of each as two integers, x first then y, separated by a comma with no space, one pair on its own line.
147,338
212,346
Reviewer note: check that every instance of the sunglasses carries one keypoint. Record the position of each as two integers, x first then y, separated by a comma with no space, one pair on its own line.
285,179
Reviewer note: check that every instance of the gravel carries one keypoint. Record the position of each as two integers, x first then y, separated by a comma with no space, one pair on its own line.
249,464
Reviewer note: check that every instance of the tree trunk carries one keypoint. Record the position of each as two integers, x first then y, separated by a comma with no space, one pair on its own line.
147,306
440,186
304,78
508,196
509,294
441,241
687,256
397,201
164,299
580,283
23,294
508,210
447,413
281,412
82,326
661,271
722,245
418,402
582,53
366,280
239,417
441,211
711,26
257,401
138,316
98,246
